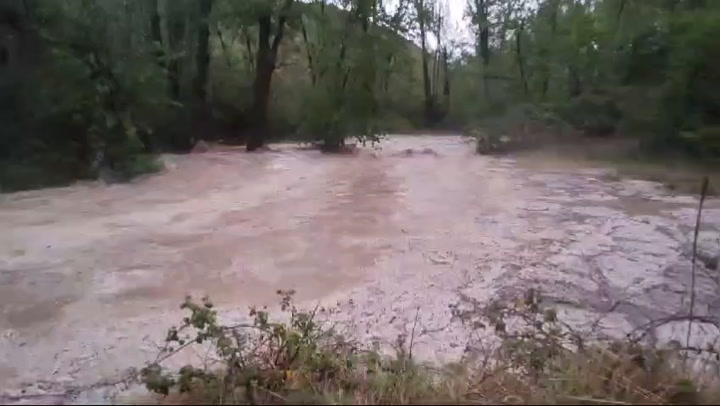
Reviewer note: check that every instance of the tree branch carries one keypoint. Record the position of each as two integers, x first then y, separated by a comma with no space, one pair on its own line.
703,193
248,47
308,50
223,46
280,28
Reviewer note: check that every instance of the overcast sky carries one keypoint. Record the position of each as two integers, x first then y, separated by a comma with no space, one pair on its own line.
459,25
457,10
457,16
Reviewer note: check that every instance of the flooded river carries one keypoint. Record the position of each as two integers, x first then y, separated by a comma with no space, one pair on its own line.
92,275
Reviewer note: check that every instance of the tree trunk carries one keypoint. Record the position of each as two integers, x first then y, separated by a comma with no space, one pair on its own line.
446,67
173,78
223,46
619,13
261,86
484,40
202,56
308,51
388,73
200,122
156,33
429,104
484,31
553,29
265,60
159,54
438,54
248,48
343,50
435,83
521,62
485,45
369,79
128,27
575,84
176,33
343,45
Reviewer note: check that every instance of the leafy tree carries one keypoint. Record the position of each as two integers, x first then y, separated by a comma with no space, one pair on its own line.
91,87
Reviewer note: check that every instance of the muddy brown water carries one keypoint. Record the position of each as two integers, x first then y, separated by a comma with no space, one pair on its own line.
91,275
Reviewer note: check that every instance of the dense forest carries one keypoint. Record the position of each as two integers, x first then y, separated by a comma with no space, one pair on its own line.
99,86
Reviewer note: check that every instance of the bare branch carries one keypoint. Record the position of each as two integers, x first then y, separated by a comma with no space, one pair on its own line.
703,194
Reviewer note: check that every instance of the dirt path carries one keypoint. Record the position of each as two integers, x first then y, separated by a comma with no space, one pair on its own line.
91,276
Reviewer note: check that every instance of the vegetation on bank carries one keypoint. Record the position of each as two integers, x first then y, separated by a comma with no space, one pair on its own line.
527,356
89,85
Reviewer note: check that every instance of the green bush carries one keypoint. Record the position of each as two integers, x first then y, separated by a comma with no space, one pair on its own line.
595,114
264,361
331,117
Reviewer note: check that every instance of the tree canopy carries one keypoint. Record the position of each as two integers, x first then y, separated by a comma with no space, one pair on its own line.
99,85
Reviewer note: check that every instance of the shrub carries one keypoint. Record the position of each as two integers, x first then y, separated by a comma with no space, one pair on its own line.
296,361
519,126
538,359
489,142
593,113
261,362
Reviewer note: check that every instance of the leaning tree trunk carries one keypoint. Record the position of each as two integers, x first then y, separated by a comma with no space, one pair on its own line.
264,68
308,52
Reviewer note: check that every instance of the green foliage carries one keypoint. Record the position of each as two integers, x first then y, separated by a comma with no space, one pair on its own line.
99,82
595,114
90,103
517,127
638,69
112,80
691,98
349,62
261,359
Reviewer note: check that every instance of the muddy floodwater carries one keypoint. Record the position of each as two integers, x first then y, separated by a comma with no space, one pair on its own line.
92,275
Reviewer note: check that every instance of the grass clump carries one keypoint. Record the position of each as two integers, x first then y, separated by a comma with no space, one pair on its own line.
537,359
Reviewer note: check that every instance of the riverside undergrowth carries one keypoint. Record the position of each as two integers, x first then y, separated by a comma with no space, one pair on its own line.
537,358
